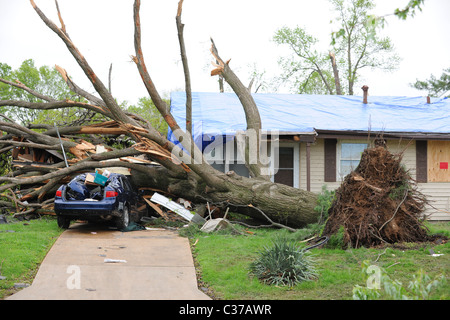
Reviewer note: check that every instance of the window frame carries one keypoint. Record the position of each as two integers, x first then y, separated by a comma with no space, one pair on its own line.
340,177
296,160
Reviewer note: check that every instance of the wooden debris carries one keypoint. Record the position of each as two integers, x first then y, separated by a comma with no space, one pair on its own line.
157,209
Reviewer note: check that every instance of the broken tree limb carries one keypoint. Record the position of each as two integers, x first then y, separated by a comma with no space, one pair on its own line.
187,78
251,111
75,88
20,85
336,73
272,223
52,105
108,99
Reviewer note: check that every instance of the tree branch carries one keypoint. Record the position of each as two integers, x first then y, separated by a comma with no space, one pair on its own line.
336,74
54,105
252,116
20,85
187,79
200,166
109,100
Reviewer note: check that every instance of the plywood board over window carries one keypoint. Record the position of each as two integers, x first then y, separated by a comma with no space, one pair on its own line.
438,161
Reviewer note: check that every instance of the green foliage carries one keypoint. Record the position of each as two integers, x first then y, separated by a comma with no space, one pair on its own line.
336,241
410,9
5,163
307,69
324,201
146,109
378,282
47,81
44,80
283,264
436,87
398,193
356,46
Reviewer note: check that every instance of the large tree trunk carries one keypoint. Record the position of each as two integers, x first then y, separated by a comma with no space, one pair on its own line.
290,206
194,179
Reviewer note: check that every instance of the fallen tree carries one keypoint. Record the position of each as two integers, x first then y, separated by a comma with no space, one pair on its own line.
191,179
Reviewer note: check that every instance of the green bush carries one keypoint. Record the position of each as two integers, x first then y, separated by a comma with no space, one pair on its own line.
324,201
419,288
284,263
336,241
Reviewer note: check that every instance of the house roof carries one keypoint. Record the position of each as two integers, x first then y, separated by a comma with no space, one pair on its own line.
222,113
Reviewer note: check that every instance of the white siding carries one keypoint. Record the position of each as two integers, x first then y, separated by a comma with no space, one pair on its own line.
438,194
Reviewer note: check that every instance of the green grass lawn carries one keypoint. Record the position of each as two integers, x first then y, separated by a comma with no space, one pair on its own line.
23,246
223,261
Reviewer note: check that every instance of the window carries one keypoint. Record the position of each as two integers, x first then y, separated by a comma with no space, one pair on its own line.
285,173
226,157
350,155
285,163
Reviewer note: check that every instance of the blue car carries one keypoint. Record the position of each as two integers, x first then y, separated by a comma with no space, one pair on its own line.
83,200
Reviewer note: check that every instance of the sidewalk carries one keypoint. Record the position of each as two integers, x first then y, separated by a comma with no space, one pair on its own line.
147,264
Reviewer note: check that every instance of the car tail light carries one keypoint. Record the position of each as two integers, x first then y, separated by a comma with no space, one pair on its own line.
59,193
111,194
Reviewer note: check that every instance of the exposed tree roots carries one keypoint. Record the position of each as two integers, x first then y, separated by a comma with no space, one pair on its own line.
378,203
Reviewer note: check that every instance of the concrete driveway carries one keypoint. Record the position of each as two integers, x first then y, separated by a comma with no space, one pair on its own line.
91,262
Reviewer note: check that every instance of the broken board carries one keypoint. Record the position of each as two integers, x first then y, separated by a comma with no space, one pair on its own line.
214,224
171,205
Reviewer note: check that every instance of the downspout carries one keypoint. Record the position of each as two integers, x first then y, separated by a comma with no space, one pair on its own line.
308,166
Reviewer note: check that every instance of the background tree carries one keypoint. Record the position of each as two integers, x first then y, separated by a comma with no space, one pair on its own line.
146,108
36,85
436,87
306,69
354,47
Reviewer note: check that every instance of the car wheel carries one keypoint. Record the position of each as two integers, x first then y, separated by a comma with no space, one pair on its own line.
63,222
124,220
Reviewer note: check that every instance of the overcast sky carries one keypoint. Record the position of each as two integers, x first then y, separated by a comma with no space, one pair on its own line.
242,30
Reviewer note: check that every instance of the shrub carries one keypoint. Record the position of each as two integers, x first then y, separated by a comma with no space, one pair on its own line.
284,263
419,288
324,201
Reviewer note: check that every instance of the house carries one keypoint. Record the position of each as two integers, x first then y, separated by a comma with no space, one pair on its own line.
320,137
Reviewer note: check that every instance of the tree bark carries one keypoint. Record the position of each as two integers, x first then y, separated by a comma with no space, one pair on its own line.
337,81
283,204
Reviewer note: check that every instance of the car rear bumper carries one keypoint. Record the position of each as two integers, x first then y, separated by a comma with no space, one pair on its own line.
86,208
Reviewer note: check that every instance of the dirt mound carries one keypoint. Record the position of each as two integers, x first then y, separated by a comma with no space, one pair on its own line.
378,203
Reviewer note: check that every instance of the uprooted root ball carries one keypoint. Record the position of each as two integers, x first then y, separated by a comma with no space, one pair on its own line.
378,203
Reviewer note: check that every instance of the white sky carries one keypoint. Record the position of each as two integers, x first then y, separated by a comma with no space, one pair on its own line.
242,30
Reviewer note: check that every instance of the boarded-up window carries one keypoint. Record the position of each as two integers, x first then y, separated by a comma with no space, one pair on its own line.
438,161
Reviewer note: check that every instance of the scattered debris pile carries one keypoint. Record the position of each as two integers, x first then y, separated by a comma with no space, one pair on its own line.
378,203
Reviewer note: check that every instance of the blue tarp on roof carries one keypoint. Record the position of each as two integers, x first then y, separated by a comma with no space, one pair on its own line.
222,113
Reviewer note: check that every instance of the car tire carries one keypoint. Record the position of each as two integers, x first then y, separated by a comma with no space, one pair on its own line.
124,220
63,222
